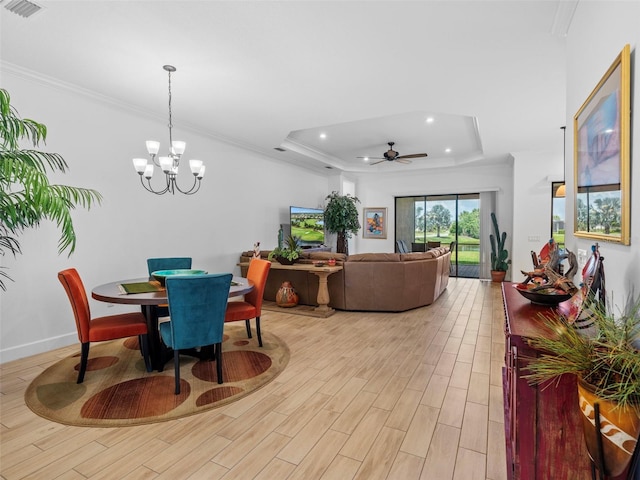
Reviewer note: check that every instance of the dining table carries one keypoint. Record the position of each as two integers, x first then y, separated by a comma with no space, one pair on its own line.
115,292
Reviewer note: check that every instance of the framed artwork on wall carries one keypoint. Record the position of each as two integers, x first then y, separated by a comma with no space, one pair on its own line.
602,156
375,222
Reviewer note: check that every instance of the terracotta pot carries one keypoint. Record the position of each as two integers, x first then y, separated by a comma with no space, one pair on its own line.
286,296
619,430
497,275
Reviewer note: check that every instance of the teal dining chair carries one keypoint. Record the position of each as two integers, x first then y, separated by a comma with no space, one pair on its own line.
197,306
166,263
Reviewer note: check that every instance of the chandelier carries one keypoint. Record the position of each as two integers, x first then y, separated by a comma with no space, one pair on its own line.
169,164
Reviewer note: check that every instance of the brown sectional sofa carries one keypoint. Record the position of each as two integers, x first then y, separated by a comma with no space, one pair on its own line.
383,282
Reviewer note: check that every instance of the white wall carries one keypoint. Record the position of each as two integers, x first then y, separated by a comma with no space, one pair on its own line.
597,35
244,198
533,173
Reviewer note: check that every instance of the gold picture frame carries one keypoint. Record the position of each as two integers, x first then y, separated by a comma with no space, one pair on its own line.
602,157
375,222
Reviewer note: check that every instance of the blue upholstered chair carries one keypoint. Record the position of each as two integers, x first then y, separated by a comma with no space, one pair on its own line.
166,263
197,306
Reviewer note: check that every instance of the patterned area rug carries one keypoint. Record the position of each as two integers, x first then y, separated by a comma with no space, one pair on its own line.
117,390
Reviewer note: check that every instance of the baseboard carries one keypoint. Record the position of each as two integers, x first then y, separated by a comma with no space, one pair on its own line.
33,348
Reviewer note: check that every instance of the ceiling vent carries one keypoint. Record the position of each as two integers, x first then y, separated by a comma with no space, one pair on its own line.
24,8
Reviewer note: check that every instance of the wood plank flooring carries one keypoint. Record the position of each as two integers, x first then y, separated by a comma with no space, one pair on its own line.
413,395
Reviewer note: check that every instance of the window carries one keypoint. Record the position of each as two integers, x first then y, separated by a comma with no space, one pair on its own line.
557,213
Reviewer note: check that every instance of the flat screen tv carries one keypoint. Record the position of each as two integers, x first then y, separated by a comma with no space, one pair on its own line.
308,225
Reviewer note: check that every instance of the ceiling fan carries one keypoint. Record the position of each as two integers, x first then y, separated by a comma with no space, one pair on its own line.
392,156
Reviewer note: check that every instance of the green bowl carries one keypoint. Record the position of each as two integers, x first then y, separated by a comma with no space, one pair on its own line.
161,275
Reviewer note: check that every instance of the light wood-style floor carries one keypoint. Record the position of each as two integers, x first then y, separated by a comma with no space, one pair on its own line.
413,395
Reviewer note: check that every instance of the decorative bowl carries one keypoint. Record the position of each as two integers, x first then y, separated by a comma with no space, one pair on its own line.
319,264
161,275
550,297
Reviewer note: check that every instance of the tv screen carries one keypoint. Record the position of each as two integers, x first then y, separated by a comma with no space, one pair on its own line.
308,225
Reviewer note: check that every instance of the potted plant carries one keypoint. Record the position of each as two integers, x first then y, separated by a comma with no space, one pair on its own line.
287,254
26,196
607,368
341,217
499,255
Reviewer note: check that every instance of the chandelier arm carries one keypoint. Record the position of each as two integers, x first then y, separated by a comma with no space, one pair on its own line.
191,191
150,189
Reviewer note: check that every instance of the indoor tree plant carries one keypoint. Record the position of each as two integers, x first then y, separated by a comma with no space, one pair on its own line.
607,368
341,217
288,253
499,254
26,196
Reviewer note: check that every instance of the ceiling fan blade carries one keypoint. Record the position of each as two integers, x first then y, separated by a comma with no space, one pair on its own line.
413,155
402,160
379,161
373,158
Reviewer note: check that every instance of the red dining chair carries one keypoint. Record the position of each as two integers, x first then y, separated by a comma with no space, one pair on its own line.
100,329
251,307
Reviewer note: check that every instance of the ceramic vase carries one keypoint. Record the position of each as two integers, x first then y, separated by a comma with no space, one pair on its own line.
619,430
286,296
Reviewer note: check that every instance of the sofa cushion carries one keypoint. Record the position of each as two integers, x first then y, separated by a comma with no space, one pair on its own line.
408,257
340,257
374,257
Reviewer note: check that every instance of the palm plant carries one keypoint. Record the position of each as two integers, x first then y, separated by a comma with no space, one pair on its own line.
26,196
610,362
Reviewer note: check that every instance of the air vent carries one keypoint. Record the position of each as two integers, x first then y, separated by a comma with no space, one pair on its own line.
280,149
24,8
328,167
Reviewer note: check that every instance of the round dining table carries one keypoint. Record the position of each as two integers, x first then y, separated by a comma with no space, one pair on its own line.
114,293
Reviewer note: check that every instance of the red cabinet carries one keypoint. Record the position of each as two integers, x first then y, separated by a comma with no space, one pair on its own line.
542,423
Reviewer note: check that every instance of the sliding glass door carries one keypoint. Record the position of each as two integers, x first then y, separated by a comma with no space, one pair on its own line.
428,221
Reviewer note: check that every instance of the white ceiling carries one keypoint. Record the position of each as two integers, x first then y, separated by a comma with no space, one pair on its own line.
264,74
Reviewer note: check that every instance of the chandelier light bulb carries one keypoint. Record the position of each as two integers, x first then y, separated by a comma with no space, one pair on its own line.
140,164
165,163
148,171
201,173
178,147
153,147
195,166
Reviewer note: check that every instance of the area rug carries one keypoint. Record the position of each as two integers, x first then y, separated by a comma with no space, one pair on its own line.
117,390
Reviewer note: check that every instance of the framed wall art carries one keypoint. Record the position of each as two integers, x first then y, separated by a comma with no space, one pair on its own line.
375,223
602,157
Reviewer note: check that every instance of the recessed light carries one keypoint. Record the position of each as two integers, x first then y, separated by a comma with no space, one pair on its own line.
323,136
366,159
429,120
447,150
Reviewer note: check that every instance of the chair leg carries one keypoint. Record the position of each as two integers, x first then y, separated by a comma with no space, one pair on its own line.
248,325
176,365
258,331
84,358
218,349
144,348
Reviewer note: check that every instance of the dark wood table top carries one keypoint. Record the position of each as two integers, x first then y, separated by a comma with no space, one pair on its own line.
112,293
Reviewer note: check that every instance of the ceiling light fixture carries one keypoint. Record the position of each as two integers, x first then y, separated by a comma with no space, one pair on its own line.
170,163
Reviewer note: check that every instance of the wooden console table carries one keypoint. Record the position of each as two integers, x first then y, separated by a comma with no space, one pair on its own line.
323,309
542,423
